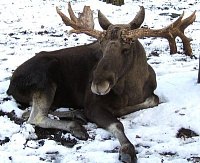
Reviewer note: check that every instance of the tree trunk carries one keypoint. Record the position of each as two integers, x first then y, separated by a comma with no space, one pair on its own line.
115,2
198,81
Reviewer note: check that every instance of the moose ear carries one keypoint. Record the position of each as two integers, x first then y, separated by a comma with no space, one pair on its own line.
139,18
103,21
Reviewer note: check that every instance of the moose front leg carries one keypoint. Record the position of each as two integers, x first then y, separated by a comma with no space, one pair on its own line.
150,102
127,151
103,118
42,101
72,115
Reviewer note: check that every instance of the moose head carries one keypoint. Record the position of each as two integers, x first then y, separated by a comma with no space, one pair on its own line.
117,53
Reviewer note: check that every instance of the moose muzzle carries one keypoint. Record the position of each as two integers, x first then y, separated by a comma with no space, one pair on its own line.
101,89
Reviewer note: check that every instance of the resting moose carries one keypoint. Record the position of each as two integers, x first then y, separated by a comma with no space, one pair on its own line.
107,79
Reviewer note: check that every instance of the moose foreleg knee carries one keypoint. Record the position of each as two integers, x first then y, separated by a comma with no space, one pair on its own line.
117,129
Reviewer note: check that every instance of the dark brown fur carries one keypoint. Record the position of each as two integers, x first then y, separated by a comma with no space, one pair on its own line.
107,79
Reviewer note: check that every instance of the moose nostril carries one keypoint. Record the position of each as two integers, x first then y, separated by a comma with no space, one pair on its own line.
111,79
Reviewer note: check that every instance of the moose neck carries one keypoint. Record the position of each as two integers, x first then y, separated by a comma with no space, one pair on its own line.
134,71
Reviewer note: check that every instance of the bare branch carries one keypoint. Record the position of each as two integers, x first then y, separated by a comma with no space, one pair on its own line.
198,80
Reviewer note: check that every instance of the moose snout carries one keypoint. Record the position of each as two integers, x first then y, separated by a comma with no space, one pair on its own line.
104,77
103,83
101,89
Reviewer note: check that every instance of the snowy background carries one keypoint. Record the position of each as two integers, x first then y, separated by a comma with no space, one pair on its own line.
30,26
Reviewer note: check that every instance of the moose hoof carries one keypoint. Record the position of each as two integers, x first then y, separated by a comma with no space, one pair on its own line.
26,114
127,154
79,131
80,135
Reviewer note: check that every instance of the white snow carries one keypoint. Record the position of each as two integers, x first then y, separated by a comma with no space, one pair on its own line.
153,131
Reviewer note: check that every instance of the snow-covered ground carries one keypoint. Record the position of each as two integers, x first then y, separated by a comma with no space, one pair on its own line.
27,27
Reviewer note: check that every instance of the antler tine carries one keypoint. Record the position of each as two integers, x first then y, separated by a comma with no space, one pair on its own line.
170,33
177,22
65,19
189,20
71,13
83,24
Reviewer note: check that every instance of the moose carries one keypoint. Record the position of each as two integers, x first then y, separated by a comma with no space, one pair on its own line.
102,81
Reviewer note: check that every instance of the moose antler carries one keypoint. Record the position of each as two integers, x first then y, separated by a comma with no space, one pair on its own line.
83,24
170,33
